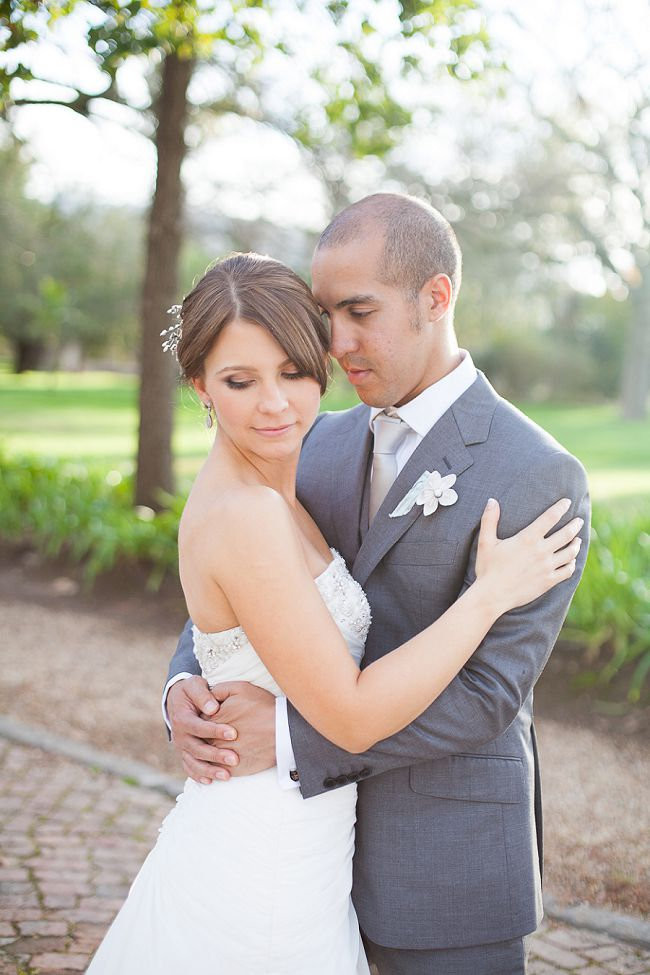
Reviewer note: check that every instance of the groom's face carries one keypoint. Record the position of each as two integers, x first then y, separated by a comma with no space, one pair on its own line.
382,339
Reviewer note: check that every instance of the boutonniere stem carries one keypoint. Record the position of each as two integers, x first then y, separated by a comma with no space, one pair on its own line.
430,490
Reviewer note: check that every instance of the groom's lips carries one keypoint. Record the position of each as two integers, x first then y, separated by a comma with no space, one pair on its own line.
357,375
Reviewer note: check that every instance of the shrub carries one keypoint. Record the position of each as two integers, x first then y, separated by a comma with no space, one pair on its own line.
64,508
610,614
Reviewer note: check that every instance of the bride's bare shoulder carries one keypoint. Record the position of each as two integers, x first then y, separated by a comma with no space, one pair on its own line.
251,508
236,517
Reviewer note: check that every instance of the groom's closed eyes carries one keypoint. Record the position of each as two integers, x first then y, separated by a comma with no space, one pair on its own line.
356,305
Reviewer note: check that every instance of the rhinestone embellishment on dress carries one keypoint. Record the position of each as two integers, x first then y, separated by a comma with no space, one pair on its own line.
343,596
214,648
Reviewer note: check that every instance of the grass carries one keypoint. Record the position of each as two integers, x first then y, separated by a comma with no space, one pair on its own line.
92,417
615,452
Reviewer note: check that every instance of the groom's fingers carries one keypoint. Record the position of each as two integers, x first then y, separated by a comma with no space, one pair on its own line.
205,751
198,694
226,688
221,732
188,723
203,772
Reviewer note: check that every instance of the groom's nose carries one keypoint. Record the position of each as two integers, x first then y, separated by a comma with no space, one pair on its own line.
342,339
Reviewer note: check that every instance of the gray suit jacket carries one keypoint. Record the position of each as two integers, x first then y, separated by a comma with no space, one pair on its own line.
449,819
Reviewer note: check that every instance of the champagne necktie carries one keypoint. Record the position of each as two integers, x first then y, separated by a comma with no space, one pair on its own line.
389,431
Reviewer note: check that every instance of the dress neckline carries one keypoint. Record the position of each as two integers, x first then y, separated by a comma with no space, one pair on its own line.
336,558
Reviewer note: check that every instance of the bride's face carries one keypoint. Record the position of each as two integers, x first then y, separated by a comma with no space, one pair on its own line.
262,402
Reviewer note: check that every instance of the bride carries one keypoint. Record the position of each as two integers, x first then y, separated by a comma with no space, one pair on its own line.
273,605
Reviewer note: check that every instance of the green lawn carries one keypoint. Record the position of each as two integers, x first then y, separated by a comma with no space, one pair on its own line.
615,453
91,417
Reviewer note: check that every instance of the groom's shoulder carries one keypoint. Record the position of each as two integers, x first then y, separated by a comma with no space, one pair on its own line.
511,422
529,445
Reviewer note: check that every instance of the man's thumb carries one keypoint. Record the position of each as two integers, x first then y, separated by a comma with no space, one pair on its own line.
200,696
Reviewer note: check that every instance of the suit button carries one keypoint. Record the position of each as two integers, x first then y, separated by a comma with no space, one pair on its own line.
364,773
341,780
329,782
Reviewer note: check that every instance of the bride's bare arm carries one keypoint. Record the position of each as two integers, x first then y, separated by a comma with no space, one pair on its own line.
258,561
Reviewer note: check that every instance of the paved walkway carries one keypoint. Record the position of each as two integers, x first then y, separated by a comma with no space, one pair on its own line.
72,838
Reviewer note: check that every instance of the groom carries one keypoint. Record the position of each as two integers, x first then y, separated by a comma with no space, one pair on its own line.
449,839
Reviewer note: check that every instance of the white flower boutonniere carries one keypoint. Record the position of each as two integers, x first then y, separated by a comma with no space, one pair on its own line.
430,490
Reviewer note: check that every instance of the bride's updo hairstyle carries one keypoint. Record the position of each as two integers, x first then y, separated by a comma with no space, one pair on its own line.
264,292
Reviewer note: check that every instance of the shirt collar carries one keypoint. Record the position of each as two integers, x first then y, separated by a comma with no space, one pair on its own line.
428,406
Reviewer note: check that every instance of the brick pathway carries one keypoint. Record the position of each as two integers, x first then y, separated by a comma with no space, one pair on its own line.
71,840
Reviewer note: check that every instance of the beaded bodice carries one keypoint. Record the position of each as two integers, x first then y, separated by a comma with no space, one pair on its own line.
229,655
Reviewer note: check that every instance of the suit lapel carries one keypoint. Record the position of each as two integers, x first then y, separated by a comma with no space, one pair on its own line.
443,449
348,474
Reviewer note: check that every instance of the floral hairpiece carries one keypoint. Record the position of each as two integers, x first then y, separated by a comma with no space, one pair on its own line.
174,332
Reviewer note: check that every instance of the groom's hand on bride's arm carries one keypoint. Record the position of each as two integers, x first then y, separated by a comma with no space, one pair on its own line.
195,724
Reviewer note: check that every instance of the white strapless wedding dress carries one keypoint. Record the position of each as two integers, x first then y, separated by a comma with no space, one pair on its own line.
248,878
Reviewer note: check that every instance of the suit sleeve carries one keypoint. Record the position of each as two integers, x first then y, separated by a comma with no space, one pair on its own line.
183,660
485,697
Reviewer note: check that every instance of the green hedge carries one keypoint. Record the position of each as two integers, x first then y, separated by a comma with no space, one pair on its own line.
87,516
609,618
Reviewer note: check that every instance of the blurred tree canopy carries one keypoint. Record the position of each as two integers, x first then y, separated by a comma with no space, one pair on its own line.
604,163
70,277
536,337
550,197
202,60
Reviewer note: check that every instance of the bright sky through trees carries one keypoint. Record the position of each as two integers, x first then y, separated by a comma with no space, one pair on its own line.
594,47
544,45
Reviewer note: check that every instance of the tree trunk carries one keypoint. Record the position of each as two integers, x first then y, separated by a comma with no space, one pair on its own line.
160,289
636,361
28,354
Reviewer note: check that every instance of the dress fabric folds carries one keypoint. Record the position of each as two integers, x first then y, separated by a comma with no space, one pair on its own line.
247,878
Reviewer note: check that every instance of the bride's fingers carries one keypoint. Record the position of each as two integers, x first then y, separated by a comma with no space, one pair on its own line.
564,535
564,572
489,522
543,524
567,554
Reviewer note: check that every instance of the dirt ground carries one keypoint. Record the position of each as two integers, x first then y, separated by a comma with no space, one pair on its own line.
91,667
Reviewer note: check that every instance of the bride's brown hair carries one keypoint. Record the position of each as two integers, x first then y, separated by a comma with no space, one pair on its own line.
265,292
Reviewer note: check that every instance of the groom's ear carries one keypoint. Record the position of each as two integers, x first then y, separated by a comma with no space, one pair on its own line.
438,296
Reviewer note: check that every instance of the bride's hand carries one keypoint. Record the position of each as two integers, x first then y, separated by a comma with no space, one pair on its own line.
519,569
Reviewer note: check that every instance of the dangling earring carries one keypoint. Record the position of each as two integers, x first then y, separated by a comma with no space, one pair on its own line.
208,416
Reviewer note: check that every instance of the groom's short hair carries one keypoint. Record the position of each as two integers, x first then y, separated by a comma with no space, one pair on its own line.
418,241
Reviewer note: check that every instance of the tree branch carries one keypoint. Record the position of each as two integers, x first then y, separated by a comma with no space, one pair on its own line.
79,104
50,101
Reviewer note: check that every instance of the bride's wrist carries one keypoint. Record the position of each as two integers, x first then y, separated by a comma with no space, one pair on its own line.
487,598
